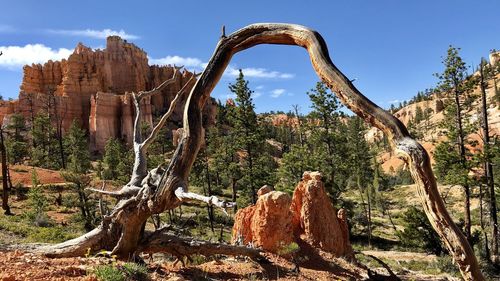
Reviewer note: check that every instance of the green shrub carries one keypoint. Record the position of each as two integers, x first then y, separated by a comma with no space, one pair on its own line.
127,271
445,264
288,249
418,232
135,271
49,235
108,273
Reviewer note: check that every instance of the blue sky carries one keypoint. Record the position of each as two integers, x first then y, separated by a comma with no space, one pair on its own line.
391,47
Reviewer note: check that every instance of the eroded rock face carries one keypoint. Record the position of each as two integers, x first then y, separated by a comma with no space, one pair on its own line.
93,87
242,229
276,220
267,224
314,217
272,221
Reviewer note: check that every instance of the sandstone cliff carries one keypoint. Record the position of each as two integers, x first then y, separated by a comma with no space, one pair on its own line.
430,130
93,87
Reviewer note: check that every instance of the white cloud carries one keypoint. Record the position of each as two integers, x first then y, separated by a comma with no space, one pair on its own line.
98,34
231,71
276,93
257,73
260,87
187,62
394,101
256,94
16,56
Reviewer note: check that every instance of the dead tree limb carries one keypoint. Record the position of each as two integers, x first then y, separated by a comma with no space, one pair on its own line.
164,242
184,195
123,232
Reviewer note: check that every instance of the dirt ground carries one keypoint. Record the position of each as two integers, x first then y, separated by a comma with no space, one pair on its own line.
19,263
22,174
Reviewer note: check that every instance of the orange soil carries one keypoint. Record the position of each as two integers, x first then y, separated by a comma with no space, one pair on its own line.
22,174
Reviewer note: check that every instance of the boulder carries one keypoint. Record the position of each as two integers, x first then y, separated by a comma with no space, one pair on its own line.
315,219
265,189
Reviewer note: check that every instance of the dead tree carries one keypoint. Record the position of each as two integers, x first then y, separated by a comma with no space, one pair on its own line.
164,189
5,180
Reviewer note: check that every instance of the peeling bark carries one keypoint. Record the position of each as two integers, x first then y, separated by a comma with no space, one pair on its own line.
129,215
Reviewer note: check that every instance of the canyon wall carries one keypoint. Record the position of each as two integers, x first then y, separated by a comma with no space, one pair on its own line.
93,87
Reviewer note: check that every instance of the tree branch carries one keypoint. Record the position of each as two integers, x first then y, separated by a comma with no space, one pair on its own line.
160,241
164,118
407,149
184,195
159,88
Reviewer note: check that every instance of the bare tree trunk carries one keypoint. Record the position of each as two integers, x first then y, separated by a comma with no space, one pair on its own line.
5,182
488,167
234,194
369,201
299,124
122,228
481,222
366,208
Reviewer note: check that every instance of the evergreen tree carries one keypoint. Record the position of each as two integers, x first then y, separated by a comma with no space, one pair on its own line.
451,156
360,167
419,114
117,161
418,232
328,139
44,154
78,165
248,136
16,143
486,72
77,149
293,164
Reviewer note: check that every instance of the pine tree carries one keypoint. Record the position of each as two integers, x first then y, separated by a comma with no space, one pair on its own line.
248,136
117,161
293,164
451,155
76,147
419,114
16,144
328,138
360,165
44,154
5,183
486,72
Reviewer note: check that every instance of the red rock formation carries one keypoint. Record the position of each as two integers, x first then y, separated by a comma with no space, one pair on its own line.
272,221
267,224
92,87
242,230
276,220
344,228
314,217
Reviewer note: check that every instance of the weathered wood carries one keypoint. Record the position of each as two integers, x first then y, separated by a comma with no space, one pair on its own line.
184,195
164,242
130,216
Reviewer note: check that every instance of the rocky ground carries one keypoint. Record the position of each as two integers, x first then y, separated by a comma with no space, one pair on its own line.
21,264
